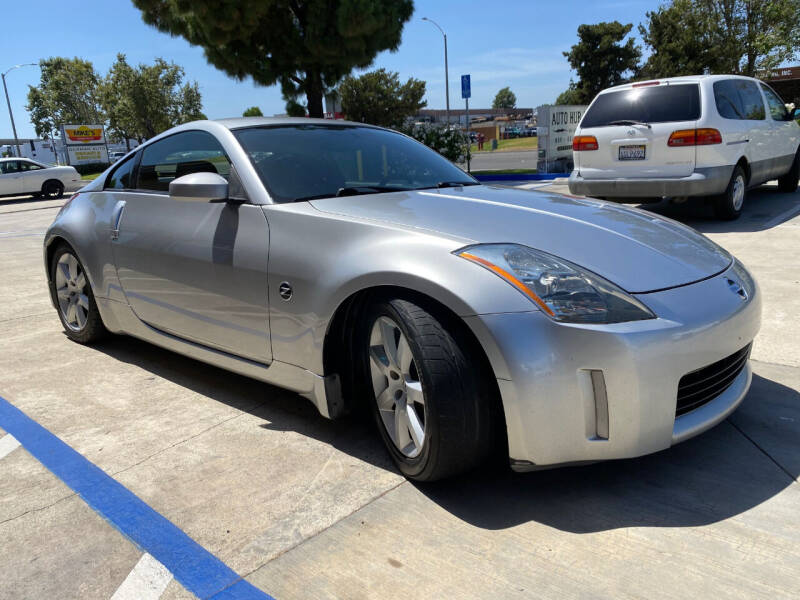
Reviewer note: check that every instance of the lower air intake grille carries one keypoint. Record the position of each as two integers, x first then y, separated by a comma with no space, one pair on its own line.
702,386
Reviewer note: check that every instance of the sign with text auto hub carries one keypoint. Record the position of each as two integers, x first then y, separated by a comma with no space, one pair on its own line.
86,144
555,127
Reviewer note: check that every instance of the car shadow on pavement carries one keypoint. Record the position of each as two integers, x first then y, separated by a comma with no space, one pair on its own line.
280,410
762,210
707,479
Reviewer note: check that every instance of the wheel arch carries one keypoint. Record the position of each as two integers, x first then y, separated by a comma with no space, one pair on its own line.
742,162
343,324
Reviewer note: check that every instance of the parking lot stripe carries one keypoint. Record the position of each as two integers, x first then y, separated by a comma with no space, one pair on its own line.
147,581
193,566
8,443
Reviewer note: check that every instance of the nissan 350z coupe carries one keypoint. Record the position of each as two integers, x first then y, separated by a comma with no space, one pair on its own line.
355,266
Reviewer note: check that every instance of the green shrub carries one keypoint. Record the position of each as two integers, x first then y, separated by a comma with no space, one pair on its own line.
91,168
450,143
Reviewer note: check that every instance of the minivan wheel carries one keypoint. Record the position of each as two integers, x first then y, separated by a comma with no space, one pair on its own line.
789,182
728,205
74,299
429,395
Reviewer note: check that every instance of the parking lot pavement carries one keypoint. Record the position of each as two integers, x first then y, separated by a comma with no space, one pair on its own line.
306,508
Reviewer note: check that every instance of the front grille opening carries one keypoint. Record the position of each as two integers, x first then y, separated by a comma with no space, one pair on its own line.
703,385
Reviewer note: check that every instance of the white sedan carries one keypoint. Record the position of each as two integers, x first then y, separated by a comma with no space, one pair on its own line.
22,176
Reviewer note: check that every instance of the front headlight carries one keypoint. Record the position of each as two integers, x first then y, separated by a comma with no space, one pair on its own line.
564,291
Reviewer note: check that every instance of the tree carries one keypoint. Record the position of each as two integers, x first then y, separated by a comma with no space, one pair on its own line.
66,94
505,98
253,111
688,37
305,46
570,95
601,60
379,98
143,101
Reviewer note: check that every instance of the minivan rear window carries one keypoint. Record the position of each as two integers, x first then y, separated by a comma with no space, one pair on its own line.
652,104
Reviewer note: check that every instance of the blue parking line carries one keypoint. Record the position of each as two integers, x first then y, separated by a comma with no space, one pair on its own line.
196,568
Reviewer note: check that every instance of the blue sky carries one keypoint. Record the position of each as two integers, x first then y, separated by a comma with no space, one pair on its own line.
512,42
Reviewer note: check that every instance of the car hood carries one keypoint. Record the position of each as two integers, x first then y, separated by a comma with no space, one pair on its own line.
639,251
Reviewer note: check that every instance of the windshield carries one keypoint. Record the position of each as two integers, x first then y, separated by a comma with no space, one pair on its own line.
303,162
655,104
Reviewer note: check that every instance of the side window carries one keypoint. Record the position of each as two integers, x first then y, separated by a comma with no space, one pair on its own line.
752,103
28,166
776,106
120,177
179,155
729,104
9,166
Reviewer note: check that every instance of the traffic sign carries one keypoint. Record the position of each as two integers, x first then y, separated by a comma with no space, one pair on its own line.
466,92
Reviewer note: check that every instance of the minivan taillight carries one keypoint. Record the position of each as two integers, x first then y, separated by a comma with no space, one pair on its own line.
694,137
582,143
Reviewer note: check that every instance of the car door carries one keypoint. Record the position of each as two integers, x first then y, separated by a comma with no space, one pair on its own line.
782,133
10,178
196,270
759,151
33,176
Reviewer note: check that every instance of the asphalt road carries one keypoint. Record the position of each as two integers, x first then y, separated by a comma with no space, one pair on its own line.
486,161
302,507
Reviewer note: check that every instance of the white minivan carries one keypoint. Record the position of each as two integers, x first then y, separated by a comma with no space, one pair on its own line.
705,135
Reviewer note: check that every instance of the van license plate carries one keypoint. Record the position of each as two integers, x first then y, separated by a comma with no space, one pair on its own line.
631,152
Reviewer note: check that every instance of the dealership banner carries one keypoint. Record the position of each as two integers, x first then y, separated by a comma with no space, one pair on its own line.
79,135
87,155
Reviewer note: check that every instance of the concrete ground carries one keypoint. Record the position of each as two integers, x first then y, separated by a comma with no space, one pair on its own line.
307,508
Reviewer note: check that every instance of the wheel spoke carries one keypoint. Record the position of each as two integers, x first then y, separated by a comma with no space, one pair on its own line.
414,391
72,265
402,435
80,282
62,271
71,316
404,356
62,293
83,302
415,427
80,316
385,399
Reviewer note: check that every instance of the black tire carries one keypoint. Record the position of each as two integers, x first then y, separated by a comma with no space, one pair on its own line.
460,397
789,182
725,205
92,328
52,189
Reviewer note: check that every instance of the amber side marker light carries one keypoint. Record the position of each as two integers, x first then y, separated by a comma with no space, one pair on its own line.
694,137
582,143
510,279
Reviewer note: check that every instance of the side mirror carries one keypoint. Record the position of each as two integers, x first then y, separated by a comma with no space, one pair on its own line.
796,113
199,187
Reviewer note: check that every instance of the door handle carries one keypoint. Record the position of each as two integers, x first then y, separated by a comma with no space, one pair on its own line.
116,218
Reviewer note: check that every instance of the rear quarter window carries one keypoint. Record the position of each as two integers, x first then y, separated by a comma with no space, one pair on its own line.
656,104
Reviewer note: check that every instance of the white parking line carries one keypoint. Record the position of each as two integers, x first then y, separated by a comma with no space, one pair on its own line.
147,581
784,216
8,443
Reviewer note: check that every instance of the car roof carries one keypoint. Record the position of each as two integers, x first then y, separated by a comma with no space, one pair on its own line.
8,158
242,122
681,79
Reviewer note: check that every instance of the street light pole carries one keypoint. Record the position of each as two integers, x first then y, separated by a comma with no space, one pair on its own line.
11,114
446,74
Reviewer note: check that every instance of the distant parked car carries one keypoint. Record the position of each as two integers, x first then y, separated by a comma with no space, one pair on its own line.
706,135
115,156
22,176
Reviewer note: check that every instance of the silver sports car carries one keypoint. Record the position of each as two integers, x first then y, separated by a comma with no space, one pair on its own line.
357,267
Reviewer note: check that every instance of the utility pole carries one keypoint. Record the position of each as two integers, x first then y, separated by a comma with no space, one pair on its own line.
446,74
11,114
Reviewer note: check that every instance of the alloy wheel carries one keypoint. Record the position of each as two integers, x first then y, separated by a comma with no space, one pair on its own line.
738,193
73,302
397,387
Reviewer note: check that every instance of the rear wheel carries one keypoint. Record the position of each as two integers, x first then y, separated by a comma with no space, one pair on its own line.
77,308
788,183
728,205
52,189
431,398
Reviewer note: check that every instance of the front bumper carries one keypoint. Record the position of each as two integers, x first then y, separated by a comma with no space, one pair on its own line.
706,181
544,372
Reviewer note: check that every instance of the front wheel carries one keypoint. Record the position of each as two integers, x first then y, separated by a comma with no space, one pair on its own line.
431,397
788,183
728,205
52,190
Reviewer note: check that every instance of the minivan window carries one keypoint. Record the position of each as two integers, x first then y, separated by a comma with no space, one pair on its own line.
727,99
120,177
651,104
752,104
777,108
178,155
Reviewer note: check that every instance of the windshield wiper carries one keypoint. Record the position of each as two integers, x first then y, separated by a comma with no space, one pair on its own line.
353,191
447,184
629,122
